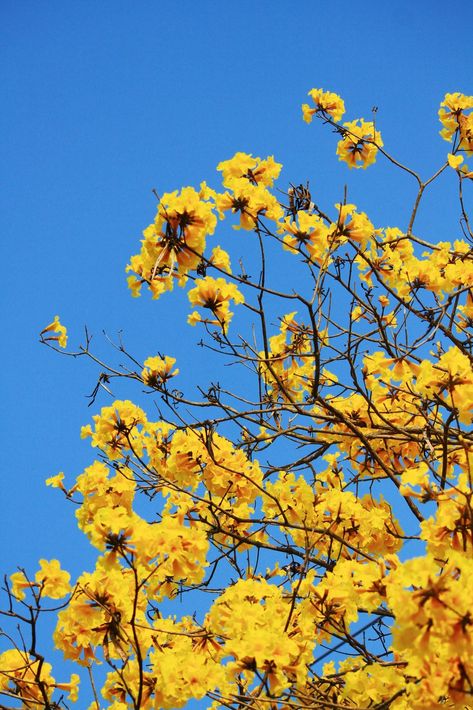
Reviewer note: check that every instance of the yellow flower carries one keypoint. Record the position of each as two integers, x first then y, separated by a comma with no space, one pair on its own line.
56,481
454,160
214,294
60,330
116,429
251,201
453,118
360,143
72,688
174,243
53,580
206,192
19,583
221,259
50,578
194,318
248,169
465,124
134,285
26,678
307,230
357,313
326,102
157,370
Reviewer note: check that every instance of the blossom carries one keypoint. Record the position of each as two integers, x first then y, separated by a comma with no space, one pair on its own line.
326,102
59,330
157,370
71,688
19,582
116,428
309,231
360,143
214,294
54,581
251,202
50,580
453,117
25,677
56,481
220,259
174,243
251,616
243,166
454,160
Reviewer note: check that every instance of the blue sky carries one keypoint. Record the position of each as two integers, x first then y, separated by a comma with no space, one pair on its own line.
103,102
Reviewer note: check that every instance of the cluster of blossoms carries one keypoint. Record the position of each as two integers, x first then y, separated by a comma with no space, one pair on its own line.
392,260
174,246
158,370
326,103
215,295
289,366
456,116
55,332
28,678
360,144
253,627
319,238
360,141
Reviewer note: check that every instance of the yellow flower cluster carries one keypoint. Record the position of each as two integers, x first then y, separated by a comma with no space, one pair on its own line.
432,633
451,528
310,235
215,295
360,143
391,260
261,634
373,684
307,231
251,202
179,458
326,103
158,370
29,679
116,429
59,330
288,370
174,243
391,419
174,246
454,118
332,520
244,167
248,180
50,581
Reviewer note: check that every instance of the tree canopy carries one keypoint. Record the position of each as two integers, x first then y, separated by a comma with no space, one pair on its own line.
297,533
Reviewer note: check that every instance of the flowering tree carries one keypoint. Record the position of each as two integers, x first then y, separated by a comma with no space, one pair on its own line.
319,505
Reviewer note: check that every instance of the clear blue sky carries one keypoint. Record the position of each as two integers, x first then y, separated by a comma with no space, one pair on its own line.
104,101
